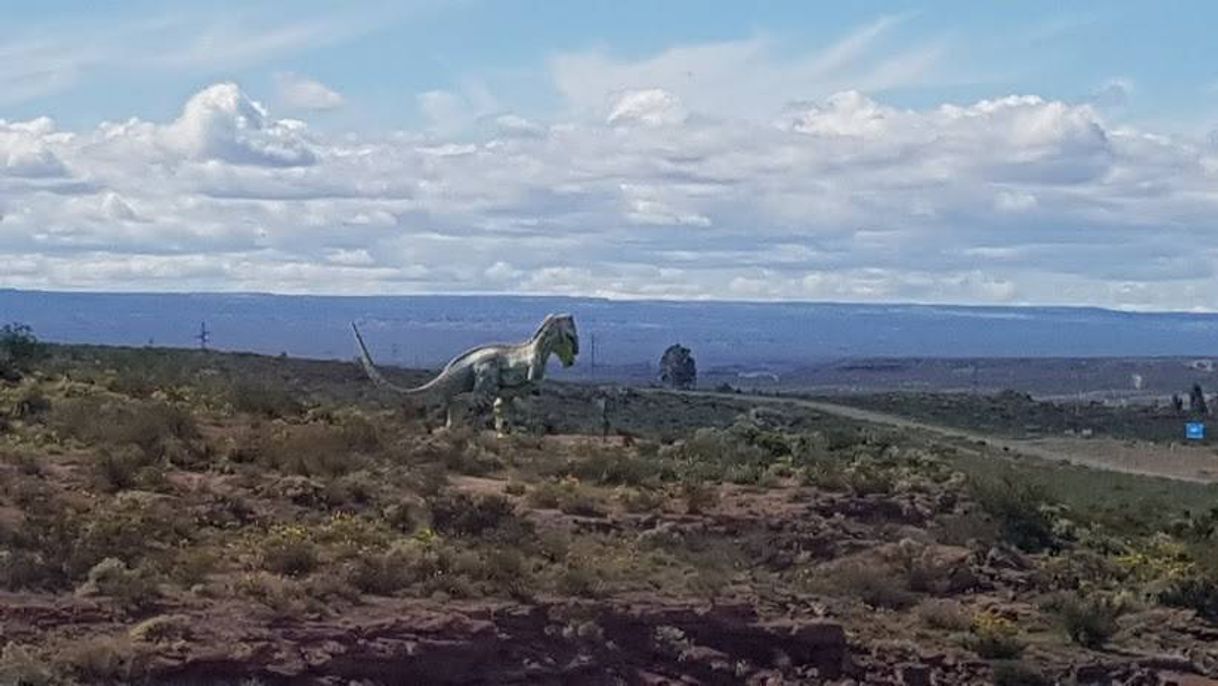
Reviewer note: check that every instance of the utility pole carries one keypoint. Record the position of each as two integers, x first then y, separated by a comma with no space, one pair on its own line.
204,336
592,362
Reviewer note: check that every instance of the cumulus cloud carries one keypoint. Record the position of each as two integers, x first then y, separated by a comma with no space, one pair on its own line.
222,123
651,107
25,149
302,93
1010,199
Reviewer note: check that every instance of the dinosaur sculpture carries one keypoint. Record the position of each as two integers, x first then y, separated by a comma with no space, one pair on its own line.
496,373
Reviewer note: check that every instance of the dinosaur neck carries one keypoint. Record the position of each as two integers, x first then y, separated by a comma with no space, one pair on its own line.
541,347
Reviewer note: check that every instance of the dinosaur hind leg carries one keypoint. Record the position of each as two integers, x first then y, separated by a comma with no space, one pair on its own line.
502,409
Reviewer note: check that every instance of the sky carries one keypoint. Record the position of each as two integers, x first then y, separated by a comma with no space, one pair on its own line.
1036,153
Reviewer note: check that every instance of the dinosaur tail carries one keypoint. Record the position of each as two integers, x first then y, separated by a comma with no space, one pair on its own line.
375,374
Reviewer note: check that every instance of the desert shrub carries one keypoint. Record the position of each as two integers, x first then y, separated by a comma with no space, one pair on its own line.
994,637
828,473
928,569
102,659
579,577
283,596
157,428
546,495
1196,591
507,571
640,500
130,588
345,535
1077,569
428,480
709,452
288,550
616,466
569,496
311,450
944,614
32,404
162,629
355,489
877,585
387,572
20,666
698,496
1010,673
459,451
57,544
132,529
124,467
1090,620
193,565
463,515
406,516
263,400
866,477
1020,509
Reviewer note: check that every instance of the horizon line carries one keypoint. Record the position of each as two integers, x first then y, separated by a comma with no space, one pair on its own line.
622,299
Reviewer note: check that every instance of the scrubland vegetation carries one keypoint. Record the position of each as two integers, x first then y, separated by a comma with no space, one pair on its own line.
164,511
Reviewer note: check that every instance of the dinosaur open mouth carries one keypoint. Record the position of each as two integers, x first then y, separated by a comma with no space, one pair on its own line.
566,351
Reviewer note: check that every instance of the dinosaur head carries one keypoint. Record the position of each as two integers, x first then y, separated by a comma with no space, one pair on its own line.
562,337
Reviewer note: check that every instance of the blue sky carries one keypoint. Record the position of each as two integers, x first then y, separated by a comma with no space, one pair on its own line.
970,152
379,55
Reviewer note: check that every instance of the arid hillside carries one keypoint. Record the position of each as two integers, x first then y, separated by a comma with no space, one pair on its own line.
188,517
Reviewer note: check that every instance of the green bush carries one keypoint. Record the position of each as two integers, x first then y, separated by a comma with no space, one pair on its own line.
876,585
1090,621
994,637
263,400
288,550
1021,511
463,515
130,588
1196,591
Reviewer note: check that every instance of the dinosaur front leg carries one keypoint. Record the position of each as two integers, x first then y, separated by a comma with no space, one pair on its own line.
502,409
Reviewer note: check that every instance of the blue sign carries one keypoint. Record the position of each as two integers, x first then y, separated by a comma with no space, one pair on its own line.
1194,431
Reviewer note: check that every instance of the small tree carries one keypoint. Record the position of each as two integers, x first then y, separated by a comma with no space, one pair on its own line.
677,367
19,349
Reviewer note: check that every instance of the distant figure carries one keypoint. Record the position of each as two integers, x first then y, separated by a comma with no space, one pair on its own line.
602,404
1196,400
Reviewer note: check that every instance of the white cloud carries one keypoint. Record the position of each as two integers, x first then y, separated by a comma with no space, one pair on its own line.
1113,92
1013,199
754,76
221,123
25,149
302,93
651,107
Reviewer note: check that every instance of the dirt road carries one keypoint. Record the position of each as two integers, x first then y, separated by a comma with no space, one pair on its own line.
1183,463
